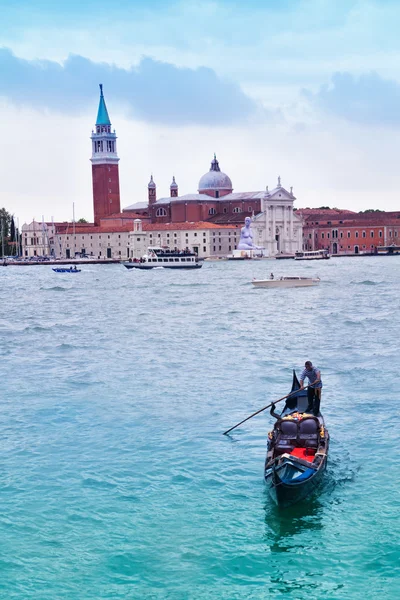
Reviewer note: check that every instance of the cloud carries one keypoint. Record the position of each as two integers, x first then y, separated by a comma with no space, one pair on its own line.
153,91
368,99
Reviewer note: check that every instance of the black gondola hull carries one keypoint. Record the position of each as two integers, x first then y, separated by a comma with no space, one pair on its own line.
286,494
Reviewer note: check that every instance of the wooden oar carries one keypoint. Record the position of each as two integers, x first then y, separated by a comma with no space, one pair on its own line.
268,406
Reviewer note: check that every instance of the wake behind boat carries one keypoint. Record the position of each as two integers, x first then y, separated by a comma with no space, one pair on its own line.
286,282
164,257
297,451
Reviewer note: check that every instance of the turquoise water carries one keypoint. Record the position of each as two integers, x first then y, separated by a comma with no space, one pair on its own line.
115,480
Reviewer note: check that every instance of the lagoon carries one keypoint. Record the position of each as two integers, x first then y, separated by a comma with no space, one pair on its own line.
116,386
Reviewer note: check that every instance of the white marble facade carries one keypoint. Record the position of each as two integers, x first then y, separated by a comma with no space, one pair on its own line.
277,228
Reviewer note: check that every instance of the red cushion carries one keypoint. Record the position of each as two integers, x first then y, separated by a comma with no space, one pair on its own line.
304,453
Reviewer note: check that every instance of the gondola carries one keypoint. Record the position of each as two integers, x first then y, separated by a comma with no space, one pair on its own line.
297,451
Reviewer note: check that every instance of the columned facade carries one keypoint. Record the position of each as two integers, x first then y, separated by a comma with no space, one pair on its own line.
278,229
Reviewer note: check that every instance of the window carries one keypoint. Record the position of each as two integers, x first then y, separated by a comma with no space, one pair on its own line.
195,235
217,194
204,249
175,234
249,209
138,239
364,234
356,234
230,247
341,234
211,211
380,234
237,209
161,212
214,248
390,234
372,234
220,247
327,235
348,235
225,210
167,235
322,235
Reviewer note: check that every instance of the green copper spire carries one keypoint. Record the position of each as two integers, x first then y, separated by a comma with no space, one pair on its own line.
102,114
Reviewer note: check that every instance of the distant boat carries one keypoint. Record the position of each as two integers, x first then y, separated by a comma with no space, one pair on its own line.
286,282
297,451
164,257
312,255
392,250
69,270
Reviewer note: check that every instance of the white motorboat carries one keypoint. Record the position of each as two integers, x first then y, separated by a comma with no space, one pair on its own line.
286,282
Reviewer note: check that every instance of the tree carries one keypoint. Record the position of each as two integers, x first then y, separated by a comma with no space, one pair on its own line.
82,220
5,225
370,210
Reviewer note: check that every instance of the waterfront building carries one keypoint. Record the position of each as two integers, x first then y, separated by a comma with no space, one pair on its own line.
347,232
204,238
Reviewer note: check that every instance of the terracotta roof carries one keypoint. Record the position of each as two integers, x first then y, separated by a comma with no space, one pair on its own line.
96,229
182,226
233,220
122,215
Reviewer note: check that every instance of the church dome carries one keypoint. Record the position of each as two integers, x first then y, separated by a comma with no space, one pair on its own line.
215,179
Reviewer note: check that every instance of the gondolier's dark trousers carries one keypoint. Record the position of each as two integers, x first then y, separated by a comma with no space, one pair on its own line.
314,399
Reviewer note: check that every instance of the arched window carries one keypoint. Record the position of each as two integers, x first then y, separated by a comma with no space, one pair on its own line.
237,209
249,209
211,211
161,212
225,210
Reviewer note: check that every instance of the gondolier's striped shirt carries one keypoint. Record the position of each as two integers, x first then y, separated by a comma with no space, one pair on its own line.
311,375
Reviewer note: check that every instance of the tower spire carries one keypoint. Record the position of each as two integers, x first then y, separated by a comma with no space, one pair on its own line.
102,113
106,199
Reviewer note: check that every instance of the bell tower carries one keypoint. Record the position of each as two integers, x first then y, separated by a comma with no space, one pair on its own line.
105,176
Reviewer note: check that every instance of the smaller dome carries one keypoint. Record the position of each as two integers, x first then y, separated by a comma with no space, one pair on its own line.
151,183
215,179
174,185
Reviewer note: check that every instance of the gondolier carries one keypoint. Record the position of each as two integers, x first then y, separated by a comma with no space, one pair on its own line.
313,374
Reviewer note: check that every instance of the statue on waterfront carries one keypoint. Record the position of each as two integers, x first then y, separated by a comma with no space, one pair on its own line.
246,237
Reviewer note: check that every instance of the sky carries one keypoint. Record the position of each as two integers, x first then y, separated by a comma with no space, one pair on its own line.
308,90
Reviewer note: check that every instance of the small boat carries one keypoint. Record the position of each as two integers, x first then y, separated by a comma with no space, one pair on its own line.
286,282
164,257
297,451
312,255
69,270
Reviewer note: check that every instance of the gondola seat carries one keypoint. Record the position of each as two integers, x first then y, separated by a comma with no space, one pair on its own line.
308,433
287,437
